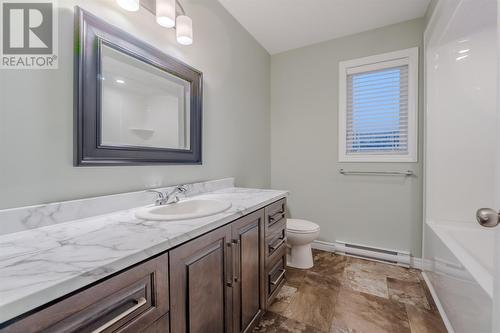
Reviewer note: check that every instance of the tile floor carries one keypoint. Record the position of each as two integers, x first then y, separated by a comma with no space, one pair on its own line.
349,295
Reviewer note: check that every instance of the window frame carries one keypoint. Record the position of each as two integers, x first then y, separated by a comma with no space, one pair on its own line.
386,60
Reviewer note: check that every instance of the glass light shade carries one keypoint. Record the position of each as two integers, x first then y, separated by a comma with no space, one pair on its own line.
184,30
129,5
165,13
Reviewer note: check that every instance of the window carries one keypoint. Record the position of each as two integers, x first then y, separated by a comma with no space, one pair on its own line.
378,108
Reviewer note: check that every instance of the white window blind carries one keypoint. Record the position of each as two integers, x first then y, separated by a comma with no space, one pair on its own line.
377,112
378,103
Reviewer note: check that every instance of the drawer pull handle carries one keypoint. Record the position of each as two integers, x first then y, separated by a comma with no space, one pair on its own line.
277,244
140,302
229,283
276,281
277,216
236,261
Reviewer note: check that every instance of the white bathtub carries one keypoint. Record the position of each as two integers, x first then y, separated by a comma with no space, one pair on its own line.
473,246
458,266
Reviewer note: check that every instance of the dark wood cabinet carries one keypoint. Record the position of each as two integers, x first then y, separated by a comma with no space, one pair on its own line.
162,325
275,276
217,280
275,249
275,213
275,240
200,284
248,286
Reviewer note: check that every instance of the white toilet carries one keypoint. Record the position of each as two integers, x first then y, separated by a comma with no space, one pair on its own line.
300,234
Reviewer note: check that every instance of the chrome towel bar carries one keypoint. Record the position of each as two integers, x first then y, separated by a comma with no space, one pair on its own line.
378,173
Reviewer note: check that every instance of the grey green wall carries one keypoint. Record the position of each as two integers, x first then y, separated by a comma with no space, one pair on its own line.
372,210
36,111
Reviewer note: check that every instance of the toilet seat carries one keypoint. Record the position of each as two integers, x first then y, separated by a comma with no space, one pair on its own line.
299,226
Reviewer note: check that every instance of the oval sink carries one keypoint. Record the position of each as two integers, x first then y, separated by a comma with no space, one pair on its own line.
182,210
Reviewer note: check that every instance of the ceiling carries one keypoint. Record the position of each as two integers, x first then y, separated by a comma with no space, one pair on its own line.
281,25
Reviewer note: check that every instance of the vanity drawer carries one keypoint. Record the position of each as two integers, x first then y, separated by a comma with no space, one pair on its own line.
275,277
162,325
275,240
127,302
275,212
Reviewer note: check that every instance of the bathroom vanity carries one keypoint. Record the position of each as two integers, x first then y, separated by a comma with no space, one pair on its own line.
217,274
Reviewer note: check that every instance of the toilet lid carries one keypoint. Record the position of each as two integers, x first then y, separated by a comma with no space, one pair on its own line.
301,226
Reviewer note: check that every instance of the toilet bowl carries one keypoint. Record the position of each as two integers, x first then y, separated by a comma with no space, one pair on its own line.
300,234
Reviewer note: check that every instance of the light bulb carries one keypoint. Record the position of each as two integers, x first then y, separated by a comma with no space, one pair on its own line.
184,30
129,5
165,13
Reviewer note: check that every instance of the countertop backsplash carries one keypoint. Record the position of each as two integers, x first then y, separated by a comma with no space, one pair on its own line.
32,217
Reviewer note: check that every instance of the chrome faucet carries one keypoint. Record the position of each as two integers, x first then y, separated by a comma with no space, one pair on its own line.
168,198
160,199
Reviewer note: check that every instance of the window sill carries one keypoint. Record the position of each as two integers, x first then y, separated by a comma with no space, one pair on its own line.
378,159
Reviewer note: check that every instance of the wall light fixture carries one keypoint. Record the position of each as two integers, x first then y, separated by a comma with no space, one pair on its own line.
168,13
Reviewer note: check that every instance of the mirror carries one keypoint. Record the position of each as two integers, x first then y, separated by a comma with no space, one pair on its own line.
142,105
134,104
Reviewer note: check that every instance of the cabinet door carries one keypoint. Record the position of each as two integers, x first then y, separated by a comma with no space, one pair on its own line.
200,278
248,276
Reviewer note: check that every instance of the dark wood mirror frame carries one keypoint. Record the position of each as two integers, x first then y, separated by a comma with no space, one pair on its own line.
90,33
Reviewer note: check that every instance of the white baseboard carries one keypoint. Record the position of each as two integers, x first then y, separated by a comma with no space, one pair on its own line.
414,262
446,321
324,246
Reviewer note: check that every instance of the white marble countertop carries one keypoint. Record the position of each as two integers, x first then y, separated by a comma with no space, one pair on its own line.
43,264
